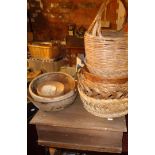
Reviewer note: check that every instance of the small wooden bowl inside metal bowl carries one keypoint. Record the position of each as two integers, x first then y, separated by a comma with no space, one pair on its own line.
50,89
67,80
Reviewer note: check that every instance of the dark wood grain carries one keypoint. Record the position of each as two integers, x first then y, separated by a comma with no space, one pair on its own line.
73,41
75,116
102,141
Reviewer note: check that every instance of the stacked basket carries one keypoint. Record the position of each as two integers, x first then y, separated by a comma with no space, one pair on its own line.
103,87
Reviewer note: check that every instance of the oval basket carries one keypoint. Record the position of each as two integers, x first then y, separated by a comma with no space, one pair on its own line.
44,50
67,80
54,106
106,88
109,108
106,51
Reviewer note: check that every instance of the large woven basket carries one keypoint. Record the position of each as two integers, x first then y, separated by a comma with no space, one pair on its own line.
106,51
106,108
103,88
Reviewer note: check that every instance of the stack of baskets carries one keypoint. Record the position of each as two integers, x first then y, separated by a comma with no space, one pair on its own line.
52,91
103,83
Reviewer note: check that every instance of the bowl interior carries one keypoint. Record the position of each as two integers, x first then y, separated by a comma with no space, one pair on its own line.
50,89
67,81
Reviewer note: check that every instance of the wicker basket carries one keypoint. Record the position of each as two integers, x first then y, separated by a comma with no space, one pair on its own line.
43,50
106,51
109,108
65,79
103,88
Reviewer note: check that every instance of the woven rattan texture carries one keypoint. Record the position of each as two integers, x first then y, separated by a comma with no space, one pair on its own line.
106,51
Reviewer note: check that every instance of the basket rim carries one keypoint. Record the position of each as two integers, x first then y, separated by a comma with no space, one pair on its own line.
114,115
100,100
125,34
99,79
53,99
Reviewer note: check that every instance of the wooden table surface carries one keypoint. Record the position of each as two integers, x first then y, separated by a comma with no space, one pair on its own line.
75,128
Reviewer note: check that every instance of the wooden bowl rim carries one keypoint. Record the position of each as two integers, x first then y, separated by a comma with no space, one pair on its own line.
53,99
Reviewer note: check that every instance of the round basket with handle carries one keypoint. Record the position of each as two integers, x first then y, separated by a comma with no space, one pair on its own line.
106,51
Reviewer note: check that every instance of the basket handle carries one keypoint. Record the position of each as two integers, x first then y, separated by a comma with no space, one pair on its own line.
95,27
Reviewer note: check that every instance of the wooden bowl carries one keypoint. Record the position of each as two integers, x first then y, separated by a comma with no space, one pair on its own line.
67,80
54,106
50,89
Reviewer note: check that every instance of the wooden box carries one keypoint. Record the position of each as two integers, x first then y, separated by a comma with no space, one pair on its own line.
75,128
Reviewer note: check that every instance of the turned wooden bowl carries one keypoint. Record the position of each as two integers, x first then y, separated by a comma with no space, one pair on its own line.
37,84
50,89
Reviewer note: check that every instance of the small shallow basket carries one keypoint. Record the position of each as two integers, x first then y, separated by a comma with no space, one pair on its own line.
43,50
109,108
65,79
107,51
103,88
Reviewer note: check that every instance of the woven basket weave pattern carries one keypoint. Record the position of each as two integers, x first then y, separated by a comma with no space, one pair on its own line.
99,89
43,51
104,91
106,52
109,108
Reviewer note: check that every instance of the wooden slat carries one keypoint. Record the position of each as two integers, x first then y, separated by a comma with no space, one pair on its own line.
92,140
75,116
